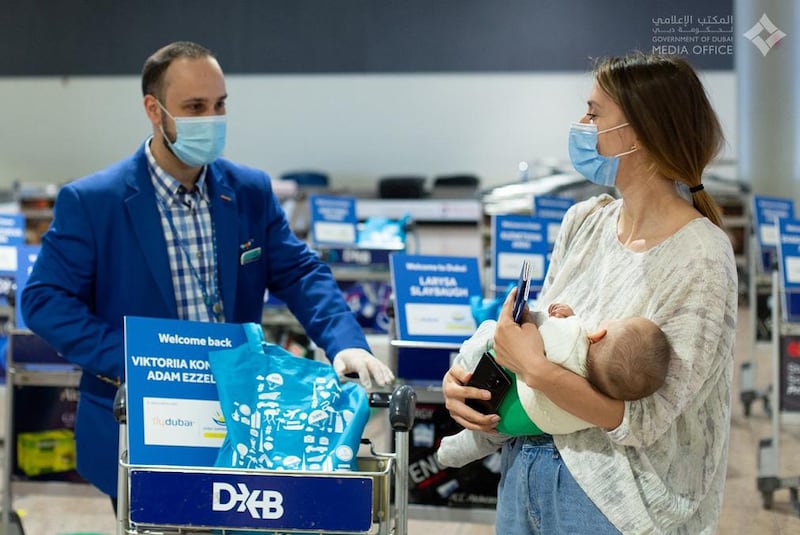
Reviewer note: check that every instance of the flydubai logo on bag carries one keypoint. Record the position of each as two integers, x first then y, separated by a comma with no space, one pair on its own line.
265,504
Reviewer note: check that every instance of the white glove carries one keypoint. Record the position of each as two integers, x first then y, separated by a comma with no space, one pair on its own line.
357,360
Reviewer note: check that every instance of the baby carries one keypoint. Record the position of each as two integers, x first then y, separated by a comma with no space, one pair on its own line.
626,359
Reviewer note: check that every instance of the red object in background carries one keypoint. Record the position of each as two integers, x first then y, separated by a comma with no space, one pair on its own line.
793,348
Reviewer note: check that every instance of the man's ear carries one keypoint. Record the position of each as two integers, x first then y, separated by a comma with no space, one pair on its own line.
597,335
152,109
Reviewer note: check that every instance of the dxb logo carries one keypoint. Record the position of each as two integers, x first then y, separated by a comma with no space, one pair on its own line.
764,35
265,504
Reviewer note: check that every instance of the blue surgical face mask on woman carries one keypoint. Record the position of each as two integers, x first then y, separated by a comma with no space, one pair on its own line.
199,140
595,167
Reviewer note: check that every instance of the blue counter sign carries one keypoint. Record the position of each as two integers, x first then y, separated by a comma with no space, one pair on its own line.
551,207
789,267
766,212
12,229
333,219
432,297
516,238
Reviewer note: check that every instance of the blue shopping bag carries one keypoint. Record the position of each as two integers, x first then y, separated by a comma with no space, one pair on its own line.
284,412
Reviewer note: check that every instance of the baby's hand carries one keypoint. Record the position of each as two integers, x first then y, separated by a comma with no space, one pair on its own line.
558,310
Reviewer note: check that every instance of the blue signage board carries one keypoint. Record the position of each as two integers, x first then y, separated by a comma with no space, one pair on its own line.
8,272
432,297
333,219
26,256
174,415
217,499
551,207
789,267
516,238
766,211
12,229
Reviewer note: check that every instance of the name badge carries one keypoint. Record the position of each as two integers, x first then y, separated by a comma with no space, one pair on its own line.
250,256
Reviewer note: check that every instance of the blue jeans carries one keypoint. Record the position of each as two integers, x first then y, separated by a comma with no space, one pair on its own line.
538,496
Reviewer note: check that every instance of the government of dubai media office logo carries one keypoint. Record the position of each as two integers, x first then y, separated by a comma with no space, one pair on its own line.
773,34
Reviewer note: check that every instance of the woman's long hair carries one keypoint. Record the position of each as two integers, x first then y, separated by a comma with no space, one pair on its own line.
667,106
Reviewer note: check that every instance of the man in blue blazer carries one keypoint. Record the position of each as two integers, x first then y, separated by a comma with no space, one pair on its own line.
174,231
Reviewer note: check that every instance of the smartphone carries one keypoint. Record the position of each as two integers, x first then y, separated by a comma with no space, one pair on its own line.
489,375
523,291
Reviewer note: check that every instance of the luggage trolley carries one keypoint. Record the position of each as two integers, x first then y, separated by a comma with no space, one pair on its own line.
785,398
786,366
761,263
189,500
760,297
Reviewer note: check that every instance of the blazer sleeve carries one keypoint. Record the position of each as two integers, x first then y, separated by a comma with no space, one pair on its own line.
58,301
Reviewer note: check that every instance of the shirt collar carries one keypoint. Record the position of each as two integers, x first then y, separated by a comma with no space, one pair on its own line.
167,187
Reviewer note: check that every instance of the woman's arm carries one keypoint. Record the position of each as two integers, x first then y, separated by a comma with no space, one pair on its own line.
520,349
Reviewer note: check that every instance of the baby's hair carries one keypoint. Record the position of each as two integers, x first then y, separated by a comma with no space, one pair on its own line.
636,363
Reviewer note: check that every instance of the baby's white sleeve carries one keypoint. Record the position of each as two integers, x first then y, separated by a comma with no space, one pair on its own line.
476,345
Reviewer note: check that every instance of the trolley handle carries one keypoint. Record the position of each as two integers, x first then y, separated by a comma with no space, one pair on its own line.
402,406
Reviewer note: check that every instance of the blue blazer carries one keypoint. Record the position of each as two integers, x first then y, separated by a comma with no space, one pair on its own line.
105,257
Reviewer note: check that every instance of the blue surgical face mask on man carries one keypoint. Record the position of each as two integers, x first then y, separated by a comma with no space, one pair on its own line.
199,140
595,167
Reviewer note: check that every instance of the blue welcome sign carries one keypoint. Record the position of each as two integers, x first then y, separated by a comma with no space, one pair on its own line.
766,212
432,297
516,238
174,415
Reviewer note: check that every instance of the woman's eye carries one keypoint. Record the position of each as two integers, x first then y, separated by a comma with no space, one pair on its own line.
591,116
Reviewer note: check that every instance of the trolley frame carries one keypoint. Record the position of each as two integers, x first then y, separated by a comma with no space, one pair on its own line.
769,478
165,499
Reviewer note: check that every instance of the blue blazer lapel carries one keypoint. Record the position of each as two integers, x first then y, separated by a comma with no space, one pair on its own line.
148,232
226,227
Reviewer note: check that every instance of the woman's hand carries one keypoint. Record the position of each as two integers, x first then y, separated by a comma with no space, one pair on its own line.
454,395
520,348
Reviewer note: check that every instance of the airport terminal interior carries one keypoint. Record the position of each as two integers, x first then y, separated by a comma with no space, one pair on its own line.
761,485
400,139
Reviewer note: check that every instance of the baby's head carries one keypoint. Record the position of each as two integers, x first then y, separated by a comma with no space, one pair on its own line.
630,361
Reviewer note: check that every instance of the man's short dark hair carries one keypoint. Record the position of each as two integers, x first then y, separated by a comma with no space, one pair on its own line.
156,65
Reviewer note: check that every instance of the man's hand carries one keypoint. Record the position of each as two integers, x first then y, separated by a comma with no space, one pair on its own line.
357,360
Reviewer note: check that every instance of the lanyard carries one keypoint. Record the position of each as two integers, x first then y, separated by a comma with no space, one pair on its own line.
211,300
